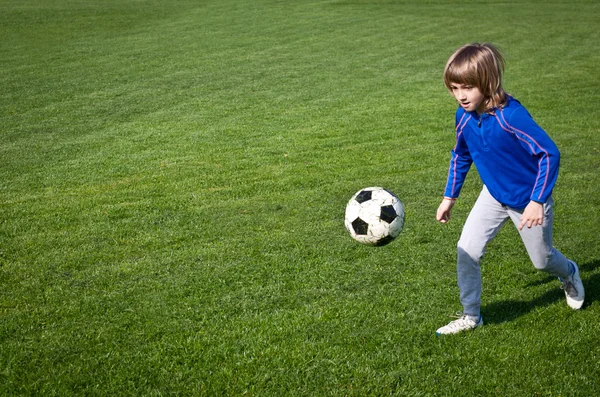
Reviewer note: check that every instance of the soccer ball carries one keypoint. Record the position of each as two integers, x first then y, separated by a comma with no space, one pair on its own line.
374,216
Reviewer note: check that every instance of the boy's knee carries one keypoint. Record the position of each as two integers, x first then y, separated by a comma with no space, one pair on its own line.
543,262
470,248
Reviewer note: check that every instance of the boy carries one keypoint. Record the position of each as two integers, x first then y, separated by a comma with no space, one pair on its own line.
518,164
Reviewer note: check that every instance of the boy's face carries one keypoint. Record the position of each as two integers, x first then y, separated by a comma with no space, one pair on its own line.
469,97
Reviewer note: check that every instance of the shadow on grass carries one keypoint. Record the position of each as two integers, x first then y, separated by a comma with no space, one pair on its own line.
501,312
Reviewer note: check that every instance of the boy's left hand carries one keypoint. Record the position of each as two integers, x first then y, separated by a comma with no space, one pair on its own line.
533,215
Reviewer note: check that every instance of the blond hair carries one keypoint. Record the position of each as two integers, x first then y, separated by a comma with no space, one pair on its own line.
478,65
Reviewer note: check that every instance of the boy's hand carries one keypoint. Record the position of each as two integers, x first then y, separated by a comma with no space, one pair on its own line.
533,215
443,212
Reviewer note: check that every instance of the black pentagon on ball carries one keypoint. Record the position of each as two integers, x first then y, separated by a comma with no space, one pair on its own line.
388,213
360,227
363,196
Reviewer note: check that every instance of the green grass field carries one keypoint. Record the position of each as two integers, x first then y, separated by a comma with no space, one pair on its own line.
173,180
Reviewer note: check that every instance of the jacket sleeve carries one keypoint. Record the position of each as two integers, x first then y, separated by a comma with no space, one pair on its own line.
537,142
460,163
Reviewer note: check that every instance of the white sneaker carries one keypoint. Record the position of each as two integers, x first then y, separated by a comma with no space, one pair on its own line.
464,323
573,288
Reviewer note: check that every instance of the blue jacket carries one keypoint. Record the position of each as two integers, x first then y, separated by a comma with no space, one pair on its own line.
515,158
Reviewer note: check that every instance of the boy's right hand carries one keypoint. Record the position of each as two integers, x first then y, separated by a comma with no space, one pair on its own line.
443,212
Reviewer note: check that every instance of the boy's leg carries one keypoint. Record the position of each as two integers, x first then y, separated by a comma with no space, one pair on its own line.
538,242
483,223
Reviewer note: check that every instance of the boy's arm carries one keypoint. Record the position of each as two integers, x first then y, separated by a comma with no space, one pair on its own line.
537,142
460,163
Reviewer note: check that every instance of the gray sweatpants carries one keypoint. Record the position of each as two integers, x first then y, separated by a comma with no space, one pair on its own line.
483,224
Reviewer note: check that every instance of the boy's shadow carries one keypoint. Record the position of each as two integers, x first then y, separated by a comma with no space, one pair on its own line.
500,312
